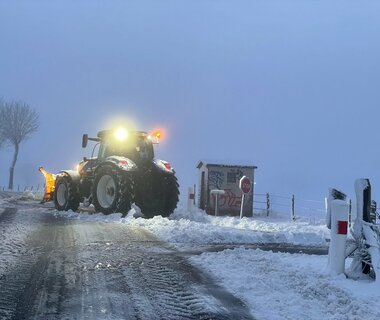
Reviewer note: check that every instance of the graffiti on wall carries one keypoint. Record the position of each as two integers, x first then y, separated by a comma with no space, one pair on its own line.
227,179
229,199
216,179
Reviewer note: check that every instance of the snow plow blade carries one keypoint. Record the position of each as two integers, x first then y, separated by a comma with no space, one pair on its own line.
49,184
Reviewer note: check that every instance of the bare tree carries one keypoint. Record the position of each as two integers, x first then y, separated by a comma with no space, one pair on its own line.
1,123
17,123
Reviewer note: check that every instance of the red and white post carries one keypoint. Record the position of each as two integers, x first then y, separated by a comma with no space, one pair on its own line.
190,199
339,226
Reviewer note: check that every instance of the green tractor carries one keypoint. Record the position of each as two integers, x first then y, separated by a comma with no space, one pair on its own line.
124,172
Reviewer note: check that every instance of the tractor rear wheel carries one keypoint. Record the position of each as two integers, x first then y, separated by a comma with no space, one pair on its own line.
66,194
163,199
112,191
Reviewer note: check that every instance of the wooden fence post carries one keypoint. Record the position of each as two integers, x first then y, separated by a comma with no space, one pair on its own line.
349,212
268,204
293,209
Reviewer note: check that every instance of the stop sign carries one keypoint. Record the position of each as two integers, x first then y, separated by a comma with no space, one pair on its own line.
245,184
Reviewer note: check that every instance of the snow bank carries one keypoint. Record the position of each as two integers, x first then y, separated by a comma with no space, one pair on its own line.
290,286
13,196
185,228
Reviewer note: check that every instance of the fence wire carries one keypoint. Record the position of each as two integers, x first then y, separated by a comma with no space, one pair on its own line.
274,204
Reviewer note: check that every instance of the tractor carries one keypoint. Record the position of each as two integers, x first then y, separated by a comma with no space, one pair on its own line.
124,172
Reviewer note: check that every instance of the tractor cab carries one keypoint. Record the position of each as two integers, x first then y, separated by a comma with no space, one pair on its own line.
135,145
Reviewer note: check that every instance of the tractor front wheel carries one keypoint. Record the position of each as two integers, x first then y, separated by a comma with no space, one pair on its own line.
112,191
66,195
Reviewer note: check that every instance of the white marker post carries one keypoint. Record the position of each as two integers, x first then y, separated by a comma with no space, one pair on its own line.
190,199
339,226
245,186
217,193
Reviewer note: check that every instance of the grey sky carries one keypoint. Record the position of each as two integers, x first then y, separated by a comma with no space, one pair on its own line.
291,86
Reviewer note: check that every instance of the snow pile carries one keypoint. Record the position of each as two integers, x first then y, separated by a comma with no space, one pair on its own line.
185,228
290,286
15,196
199,228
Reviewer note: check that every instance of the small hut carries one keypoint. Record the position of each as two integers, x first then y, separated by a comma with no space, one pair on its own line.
225,177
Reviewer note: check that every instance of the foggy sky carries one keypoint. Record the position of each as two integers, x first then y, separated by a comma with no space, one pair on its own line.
292,87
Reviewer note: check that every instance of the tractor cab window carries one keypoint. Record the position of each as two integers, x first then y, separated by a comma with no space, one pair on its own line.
137,149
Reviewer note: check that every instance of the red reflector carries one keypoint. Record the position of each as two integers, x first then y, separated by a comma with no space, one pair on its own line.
123,163
342,227
168,166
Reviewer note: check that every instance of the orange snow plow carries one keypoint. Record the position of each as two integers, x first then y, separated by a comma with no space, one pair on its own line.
49,184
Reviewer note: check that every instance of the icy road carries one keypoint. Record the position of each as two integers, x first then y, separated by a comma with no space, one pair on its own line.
52,267
81,265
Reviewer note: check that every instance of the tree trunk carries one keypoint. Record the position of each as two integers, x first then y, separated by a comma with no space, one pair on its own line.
12,168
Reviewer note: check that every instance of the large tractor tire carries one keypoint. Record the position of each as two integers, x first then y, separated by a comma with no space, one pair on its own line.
112,191
66,194
163,197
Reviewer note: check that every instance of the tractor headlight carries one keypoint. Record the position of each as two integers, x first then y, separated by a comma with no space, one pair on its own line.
121,134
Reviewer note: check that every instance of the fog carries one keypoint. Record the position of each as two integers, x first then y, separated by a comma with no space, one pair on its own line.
289,86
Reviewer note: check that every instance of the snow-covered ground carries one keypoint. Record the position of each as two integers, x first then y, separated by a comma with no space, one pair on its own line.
291,286
274,285
185,229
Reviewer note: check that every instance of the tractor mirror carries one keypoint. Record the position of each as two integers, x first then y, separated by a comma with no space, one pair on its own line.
84,140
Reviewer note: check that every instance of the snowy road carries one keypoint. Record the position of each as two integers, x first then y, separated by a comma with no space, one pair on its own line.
83,265
58,268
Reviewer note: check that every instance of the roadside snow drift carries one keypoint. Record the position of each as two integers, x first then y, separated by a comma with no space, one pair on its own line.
184,228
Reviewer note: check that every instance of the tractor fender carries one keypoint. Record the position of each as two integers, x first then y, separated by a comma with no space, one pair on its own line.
121,163
163,166
72,174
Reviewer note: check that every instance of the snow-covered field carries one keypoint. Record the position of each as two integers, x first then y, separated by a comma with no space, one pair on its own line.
274,285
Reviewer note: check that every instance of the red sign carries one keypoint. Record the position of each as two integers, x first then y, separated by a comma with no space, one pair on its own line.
245,184
342,227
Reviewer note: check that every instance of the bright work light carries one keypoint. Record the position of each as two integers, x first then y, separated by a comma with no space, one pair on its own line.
121,134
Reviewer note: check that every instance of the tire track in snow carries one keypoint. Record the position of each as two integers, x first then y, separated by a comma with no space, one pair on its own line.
14,230
14,255
156,286
94,270
7,215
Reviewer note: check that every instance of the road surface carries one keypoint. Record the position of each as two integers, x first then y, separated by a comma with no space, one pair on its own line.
52,267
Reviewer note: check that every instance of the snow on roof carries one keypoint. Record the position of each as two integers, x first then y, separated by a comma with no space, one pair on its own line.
225,163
